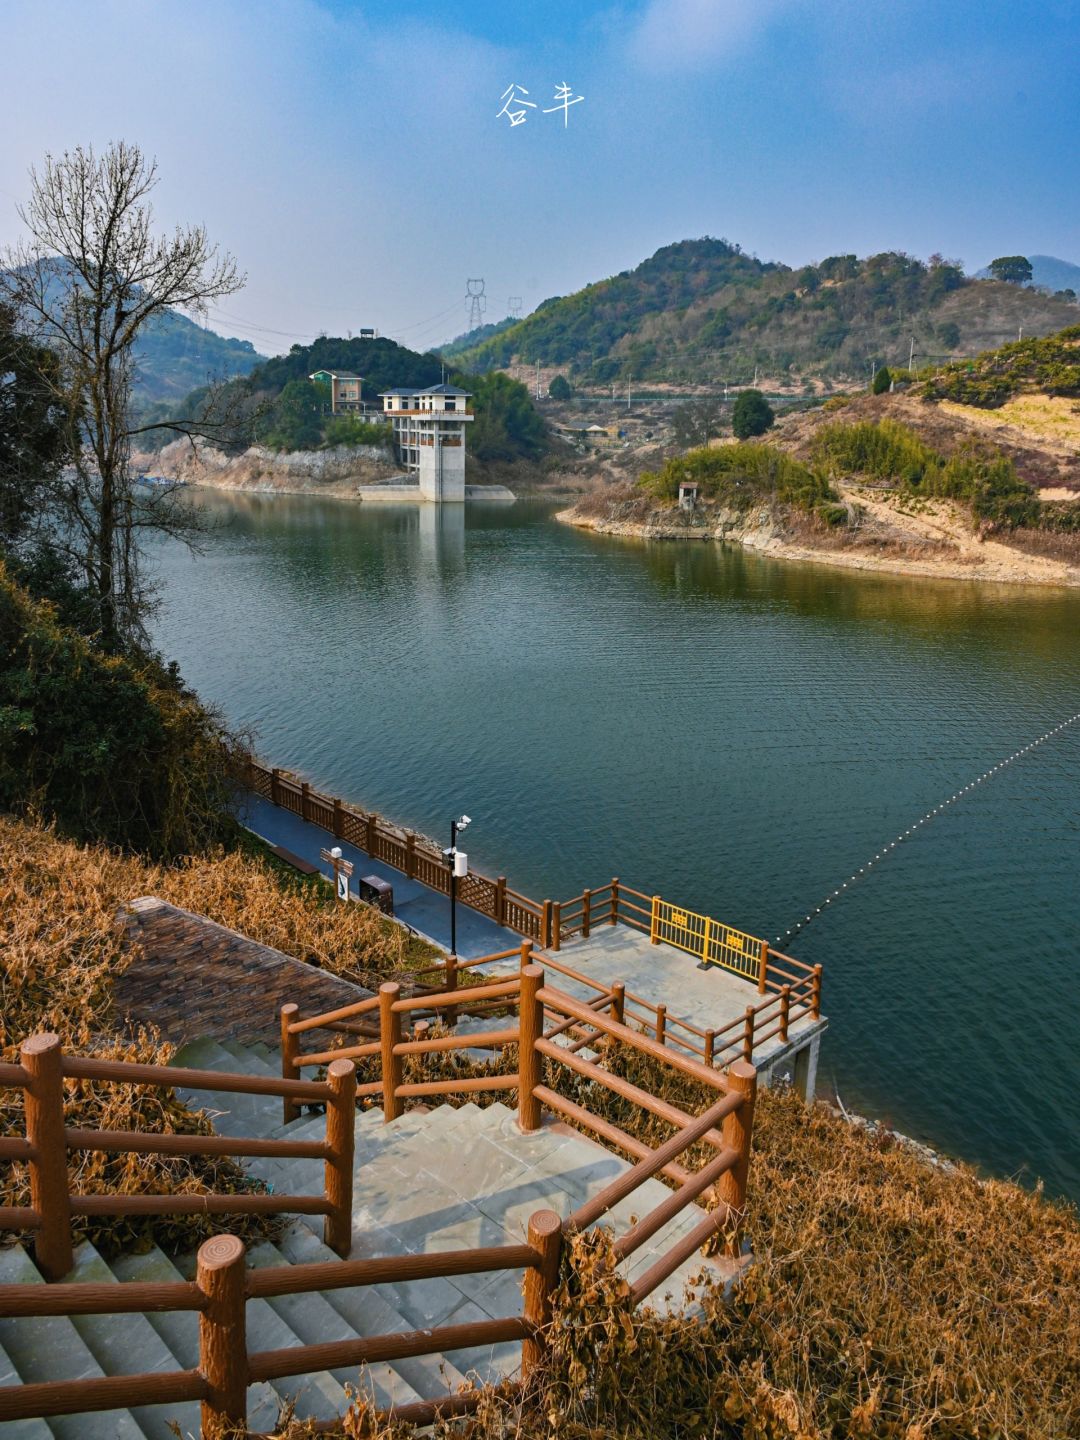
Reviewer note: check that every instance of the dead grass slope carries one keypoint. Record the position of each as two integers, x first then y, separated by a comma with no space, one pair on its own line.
61,949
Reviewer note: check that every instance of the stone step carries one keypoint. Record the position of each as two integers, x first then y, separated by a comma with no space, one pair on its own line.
230,1113
316,1321
48,1347
369,1313
179,1330
249,1062
129,1344
317,1396
32,1428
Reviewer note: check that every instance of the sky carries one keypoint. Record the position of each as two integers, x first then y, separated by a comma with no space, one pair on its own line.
351,155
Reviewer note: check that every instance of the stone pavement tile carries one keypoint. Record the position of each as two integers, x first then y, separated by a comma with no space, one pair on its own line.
472,1166
513,1208
485,1363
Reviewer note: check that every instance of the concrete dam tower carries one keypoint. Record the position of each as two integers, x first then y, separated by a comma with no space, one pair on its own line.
429,432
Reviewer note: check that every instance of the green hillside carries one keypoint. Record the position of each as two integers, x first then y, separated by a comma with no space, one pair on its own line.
703,310
173,355
1050,366
277,405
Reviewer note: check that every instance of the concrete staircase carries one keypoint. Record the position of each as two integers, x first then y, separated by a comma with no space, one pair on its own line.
434,1180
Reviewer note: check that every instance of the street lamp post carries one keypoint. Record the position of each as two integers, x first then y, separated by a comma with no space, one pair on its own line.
459,865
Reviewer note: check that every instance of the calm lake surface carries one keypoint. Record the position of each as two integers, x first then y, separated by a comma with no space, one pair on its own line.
736,733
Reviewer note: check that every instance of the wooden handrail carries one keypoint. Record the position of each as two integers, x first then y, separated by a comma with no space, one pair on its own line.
346,1012
559,1000
79,1067
624,1185
334,1354
140,1142
273,1281
110,1392
82,1298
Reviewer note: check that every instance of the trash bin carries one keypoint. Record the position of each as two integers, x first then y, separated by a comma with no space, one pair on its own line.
379,893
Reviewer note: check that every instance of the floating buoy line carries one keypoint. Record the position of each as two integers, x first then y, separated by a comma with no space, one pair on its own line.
887,850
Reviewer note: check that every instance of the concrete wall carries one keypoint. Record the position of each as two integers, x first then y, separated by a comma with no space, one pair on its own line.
192,977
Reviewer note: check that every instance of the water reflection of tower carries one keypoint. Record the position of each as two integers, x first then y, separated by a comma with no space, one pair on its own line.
442,538
476,301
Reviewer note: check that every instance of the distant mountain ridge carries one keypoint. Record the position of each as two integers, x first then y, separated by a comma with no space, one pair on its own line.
705,311
1048,271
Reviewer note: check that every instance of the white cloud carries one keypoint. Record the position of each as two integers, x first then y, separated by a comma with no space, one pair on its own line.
691,34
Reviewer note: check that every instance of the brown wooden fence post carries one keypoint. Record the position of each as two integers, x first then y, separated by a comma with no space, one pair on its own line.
710,1043
615,901
545,924
500,900
42,1058
748,1034
618,1002
661,1023
530,1029
738,1133
450,1014
305,800
275,786
526,953
785,1011
556,926
339,819
815,1000
371,842
545,1237
763,966
410,856
654,921
586,913
340,1140
222,1336
290,1054
390,1036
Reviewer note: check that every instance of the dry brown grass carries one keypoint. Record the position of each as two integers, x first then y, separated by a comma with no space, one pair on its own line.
887,1299
62,949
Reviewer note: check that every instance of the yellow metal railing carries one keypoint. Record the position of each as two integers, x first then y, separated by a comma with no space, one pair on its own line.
710,940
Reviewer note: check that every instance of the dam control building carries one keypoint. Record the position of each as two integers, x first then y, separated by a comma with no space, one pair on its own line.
429,433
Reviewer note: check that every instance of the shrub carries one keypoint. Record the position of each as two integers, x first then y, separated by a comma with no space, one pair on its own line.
352,430
882,381
112,747
739,475
751,414
560,388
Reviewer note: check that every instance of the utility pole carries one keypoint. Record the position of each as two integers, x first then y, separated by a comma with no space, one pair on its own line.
911,357
1020,334
628,392
538,379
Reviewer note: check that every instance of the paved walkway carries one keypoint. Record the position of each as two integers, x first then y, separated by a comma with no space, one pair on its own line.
423,910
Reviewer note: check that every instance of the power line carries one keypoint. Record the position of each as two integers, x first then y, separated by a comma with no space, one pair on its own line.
930,814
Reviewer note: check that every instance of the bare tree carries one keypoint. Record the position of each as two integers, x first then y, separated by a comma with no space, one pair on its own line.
91,274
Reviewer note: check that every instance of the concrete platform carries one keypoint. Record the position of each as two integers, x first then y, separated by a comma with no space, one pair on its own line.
707,996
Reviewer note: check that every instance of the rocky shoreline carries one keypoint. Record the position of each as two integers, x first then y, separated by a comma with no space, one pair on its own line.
937,542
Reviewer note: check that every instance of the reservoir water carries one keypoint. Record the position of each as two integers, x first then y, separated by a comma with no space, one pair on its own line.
738,734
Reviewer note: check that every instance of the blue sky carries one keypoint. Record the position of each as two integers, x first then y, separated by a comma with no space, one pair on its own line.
349,154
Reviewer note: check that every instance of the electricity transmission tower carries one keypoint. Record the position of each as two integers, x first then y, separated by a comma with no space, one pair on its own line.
513,307
476,301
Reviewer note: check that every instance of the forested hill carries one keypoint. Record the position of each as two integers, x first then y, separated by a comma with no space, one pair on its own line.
279,406
173,355
702,310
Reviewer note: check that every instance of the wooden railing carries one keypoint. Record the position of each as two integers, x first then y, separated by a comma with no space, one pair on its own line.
44,1149
222,1285
219,1294
791,995
549,924
545,1015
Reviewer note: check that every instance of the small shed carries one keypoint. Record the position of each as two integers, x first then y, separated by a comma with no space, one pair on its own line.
688,494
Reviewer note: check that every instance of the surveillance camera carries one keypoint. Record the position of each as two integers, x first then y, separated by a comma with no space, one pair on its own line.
463,822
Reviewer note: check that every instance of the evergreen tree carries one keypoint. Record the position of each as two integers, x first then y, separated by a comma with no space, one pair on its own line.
752,415
882,381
